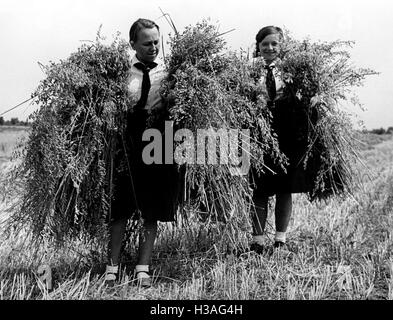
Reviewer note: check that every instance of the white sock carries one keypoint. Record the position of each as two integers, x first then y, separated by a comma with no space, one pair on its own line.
258,239
280,236
142,271
112,268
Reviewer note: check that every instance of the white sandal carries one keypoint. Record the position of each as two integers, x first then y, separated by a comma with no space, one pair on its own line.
111,274
142,276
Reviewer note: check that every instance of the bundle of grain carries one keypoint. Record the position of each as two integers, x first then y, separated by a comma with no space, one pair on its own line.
65,171
323,78
215,91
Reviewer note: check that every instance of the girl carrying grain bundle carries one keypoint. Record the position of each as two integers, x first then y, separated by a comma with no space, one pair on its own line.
302,85
149,190
290,123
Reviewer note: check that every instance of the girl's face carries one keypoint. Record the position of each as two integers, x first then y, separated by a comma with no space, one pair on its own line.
147,45
270,47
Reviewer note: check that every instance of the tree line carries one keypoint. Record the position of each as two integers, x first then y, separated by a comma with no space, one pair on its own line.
381,130
13,122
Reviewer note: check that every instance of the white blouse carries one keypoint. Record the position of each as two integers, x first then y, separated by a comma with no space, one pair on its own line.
156,75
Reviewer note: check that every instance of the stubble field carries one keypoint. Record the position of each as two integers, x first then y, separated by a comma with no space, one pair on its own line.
338,249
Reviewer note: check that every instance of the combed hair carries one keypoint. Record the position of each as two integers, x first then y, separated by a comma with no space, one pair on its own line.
139,25
264,32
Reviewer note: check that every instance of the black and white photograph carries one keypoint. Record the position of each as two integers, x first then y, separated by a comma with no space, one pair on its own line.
205,152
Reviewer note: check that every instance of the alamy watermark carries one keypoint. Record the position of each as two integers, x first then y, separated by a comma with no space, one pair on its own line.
201,147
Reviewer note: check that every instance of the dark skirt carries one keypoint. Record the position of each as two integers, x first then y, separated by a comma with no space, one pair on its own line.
290,123
141,190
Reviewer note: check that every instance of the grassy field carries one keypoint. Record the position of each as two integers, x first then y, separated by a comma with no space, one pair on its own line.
339,249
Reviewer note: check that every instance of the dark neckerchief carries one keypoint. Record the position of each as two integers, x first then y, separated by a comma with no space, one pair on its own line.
145,65
145,68
270,82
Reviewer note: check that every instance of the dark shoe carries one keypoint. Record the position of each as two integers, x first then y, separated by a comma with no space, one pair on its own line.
287,247
279,244
257,248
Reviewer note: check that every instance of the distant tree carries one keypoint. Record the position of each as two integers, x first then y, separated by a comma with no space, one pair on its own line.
389,130
23,123
1,121
379,131
14,121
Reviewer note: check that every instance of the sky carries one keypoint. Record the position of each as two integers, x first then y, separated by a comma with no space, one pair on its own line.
41,31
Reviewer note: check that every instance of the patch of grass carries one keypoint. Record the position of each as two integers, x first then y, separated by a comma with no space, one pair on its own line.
369,140
9,138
